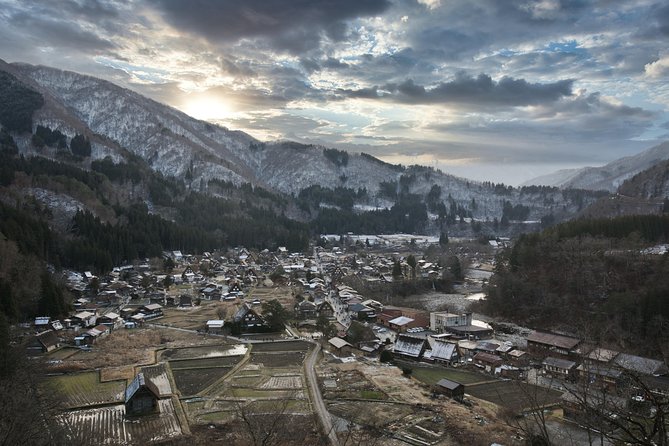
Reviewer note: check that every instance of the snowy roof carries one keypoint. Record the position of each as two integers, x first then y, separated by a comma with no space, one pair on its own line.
409,345
338,342
215,323
442,350
645,366
400,321
84,315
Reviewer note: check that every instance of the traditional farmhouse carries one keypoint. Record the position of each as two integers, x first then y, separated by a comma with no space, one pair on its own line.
248,319
409,346
141,397
541,345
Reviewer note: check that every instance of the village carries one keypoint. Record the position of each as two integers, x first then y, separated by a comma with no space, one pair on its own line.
222,345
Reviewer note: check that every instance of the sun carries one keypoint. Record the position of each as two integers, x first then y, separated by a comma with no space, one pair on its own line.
207,108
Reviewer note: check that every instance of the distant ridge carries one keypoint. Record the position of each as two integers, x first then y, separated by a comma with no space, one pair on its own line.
608,177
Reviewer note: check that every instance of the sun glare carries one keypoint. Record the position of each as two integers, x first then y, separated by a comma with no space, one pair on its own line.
207,108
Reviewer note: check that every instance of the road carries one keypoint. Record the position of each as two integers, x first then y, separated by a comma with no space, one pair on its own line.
317,398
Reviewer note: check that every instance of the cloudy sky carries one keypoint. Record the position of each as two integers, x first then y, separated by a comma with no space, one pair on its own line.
489,89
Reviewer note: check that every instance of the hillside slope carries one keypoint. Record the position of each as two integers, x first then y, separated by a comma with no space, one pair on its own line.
608,177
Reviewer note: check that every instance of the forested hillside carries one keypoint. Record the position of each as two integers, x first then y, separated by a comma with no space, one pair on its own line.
592,278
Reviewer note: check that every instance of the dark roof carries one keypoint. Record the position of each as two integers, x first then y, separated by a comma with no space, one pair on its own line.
553,339
448,384
487,357
139,382
47,338
559,363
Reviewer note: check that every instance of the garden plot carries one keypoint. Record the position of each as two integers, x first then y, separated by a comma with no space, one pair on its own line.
350,384
191,318
224,361
206,351
514,395
283,382
283,346
108,425
85,389
194,381
281,359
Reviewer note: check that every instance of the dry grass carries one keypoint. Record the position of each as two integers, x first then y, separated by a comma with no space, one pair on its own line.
126,372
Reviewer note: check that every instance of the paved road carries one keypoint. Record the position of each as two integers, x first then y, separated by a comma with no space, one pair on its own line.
317,398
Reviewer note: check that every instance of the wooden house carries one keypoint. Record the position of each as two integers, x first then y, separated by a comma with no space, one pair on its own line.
487,361
451,389
141,397
541,345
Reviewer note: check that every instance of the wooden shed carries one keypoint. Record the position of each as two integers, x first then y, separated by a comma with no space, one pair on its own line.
451,389
141,397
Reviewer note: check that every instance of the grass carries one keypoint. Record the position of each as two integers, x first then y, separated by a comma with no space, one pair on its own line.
514,395
431,376
372,395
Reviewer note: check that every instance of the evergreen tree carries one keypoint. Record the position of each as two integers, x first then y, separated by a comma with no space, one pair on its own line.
397,270
443,239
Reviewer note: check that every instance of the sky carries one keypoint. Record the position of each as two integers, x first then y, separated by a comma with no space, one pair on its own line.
499,90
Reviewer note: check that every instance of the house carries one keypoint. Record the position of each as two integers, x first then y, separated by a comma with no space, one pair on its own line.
452,389
42,322
518,358
141,397
185,301
111,320
559,368
248,318
46,341
215,326
442,351
305,310
325,309
361,312
487,361
600,375
639,365
84,319
401,324
151,310
440,321
541,345
339,345
409,346
461,325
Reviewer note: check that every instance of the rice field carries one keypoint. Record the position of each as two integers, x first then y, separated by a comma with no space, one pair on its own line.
108,425
85,389
193,381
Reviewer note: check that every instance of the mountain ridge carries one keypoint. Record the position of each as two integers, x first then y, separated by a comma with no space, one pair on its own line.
607,177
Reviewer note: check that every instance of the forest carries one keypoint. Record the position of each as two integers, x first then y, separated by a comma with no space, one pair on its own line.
591,278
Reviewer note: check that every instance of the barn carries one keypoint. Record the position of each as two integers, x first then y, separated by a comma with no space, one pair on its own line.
141,397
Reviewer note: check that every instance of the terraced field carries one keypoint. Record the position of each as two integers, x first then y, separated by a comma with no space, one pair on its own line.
194,381
108,425
85,389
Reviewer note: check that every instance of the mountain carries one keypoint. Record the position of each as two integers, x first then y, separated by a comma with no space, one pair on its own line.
608,177
645,193
127,129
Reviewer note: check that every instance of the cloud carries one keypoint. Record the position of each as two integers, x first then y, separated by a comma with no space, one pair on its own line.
480,91
292,25
658,69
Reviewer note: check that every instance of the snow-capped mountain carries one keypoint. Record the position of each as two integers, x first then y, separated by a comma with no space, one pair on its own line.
608,177
118,121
